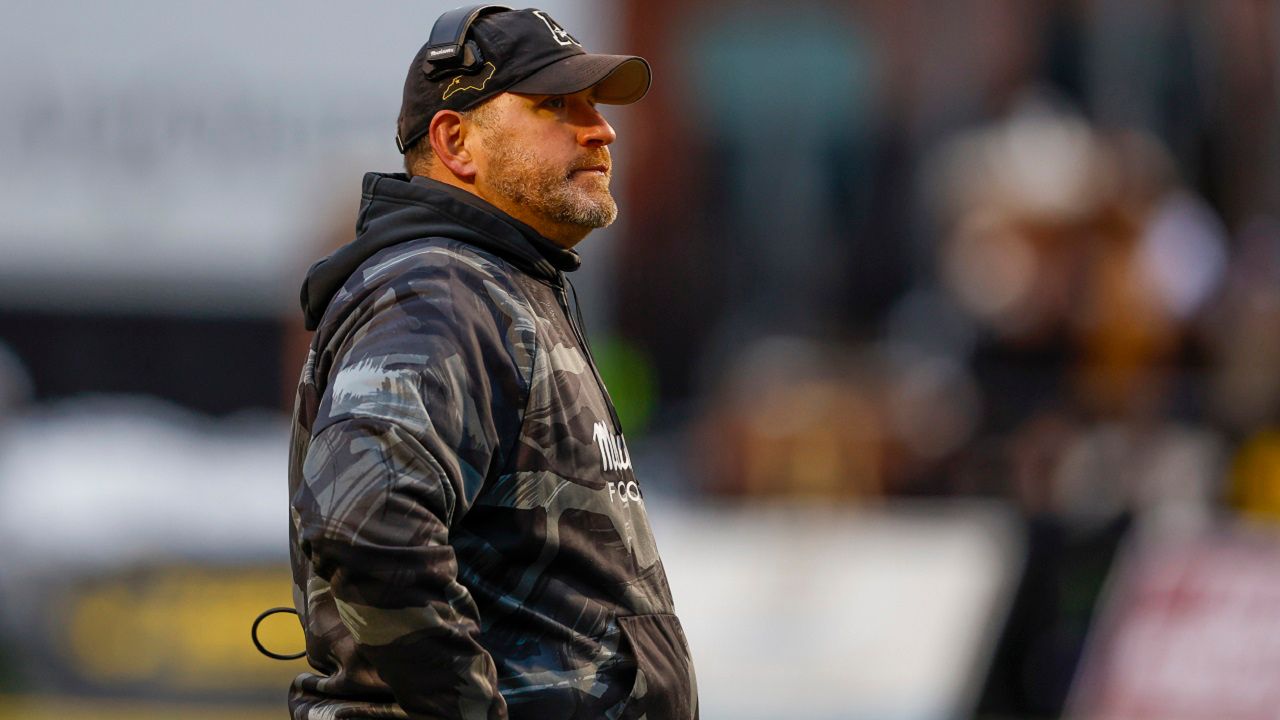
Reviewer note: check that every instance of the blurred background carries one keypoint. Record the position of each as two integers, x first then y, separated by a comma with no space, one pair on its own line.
946,336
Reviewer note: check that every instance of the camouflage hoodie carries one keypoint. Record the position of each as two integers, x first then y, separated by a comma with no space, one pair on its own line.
468,539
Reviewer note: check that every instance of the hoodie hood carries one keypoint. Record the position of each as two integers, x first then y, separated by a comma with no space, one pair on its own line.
396,209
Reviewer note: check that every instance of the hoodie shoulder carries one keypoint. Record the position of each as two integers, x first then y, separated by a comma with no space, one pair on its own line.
435,256
437,266
422,303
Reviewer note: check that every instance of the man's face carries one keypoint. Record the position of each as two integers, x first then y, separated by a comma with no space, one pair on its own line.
544,159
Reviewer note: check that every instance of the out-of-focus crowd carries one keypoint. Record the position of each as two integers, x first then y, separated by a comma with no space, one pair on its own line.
1023,250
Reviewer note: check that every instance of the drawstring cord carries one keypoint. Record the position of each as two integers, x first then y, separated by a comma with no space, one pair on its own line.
253,634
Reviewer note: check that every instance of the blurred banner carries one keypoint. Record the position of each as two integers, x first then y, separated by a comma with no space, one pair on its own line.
176,631
1188,629
28,708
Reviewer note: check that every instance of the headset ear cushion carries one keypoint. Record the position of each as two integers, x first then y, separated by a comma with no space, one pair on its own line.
472,58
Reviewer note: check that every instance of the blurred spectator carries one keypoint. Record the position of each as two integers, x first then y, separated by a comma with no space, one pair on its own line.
797,418
1085,267
793,418
1240,331
1069,240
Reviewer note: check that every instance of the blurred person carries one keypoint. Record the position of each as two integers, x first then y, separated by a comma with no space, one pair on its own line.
468,537
1083,248
1240,332
797,418
1085,264
793,418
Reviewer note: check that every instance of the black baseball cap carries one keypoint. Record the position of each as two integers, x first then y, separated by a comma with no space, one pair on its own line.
523,51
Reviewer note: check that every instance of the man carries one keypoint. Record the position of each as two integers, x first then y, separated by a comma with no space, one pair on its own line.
468,538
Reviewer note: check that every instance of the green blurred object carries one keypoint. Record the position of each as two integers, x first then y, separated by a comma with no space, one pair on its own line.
629,375
8,671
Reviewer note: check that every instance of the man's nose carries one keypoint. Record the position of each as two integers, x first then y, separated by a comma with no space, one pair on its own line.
595,131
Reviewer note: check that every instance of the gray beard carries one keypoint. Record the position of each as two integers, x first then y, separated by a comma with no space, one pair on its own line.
549,192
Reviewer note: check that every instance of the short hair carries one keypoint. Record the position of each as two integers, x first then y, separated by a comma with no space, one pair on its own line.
420,156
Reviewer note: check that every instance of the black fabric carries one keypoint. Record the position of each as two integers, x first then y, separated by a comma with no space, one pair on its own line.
664,687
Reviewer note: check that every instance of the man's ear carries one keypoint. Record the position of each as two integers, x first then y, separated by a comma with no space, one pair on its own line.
448,132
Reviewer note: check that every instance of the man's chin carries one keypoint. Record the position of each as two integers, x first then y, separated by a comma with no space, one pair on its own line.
594,220
594,216
595,208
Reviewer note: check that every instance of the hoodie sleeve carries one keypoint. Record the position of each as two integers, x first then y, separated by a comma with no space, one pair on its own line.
423,402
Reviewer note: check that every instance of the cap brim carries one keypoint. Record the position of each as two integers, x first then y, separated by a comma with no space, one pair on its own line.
618,79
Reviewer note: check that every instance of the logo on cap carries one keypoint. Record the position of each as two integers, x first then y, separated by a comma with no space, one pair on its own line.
456,86
561,35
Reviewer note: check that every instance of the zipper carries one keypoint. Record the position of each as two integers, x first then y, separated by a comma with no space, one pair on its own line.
586,346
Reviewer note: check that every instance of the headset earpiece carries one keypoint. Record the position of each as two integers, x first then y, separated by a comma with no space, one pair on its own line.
448,50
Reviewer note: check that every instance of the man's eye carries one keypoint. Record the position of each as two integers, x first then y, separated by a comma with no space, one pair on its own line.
554,102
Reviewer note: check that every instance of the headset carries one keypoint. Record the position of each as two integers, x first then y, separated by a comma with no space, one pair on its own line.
448,50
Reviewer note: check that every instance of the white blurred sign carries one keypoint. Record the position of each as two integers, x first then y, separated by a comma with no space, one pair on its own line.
175,155
811,613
